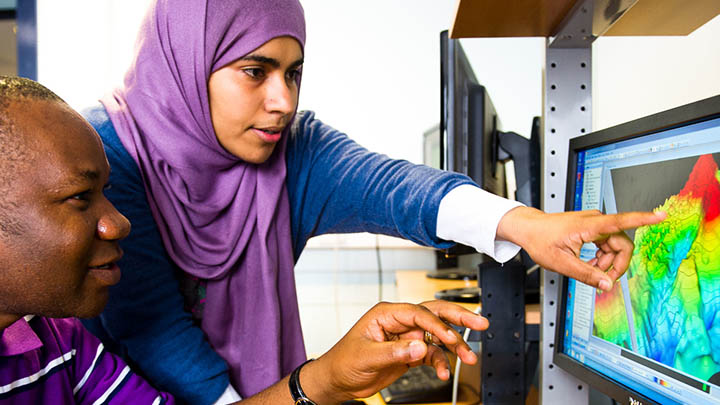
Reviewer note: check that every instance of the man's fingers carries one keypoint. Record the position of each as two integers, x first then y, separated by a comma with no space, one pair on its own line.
457,315
413,320
381,355
448,336
437,359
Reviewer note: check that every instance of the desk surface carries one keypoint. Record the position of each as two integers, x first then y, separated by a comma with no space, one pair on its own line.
413,286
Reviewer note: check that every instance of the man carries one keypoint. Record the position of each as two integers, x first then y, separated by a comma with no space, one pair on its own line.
58,248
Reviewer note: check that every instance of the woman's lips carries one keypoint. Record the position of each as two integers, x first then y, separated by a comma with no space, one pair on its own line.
269,136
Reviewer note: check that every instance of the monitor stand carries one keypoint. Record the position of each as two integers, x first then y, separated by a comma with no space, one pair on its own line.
468,294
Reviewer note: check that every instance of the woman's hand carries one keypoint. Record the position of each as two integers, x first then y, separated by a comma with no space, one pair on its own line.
384,343
554,241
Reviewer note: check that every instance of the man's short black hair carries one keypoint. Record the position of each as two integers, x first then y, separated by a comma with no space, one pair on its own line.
14,150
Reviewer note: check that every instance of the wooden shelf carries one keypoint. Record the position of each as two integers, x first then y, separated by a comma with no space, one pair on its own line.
665,17
540,18
517,18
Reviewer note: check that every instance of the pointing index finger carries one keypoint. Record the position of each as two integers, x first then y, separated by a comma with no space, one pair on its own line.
618,222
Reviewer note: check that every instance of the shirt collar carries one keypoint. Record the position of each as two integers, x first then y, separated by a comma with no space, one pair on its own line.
19,338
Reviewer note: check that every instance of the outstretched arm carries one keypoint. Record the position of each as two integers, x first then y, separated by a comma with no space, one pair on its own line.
554,241
338,186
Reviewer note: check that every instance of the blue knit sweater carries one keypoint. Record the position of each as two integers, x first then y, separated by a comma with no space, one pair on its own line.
334,186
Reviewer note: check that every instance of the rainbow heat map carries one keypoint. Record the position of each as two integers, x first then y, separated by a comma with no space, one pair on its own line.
673,282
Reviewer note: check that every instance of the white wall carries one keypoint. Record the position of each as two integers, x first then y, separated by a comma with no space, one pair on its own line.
85,46
635,77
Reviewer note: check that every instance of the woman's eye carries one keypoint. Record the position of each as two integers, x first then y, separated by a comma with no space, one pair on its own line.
294,74
254,72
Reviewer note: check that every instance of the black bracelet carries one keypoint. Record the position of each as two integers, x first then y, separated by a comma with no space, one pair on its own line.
296,391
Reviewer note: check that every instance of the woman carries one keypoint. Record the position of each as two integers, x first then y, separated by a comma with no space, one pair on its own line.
224,184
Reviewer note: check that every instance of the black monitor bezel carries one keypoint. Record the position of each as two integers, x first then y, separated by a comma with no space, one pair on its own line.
688,114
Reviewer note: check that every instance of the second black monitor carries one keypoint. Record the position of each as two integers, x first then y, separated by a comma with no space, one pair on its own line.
468,121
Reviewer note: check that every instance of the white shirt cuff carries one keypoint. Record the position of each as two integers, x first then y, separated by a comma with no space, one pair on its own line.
470,215
228,397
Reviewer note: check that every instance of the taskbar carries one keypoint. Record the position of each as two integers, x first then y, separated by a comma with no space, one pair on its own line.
645,377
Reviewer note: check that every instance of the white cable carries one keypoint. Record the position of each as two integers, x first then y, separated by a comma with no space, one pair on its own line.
458,362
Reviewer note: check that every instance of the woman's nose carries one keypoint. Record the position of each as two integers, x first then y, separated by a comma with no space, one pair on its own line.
280,96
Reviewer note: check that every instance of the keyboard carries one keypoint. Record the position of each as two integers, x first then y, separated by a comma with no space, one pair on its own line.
418,385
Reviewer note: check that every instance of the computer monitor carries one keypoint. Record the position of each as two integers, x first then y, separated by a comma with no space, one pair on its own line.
655,337
472,143
468,121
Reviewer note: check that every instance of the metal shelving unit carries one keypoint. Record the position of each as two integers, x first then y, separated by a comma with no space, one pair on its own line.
570,27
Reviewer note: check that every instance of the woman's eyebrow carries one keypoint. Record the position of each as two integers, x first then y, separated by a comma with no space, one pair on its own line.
297,63
270,61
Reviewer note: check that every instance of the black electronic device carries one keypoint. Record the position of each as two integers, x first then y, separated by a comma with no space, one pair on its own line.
418,385
653,338
525,155
472,143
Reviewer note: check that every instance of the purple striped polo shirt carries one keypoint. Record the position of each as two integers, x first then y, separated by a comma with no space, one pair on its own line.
56,361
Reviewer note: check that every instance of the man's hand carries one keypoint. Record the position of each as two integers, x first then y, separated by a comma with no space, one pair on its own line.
387,340
554,240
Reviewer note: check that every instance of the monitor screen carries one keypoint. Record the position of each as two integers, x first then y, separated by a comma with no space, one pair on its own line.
655,337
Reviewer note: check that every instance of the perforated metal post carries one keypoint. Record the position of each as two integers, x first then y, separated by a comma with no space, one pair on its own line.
567,113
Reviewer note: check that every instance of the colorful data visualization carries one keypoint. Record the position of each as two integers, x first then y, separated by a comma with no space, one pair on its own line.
673,282
611,320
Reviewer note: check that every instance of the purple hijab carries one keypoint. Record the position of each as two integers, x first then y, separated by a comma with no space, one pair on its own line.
221,219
